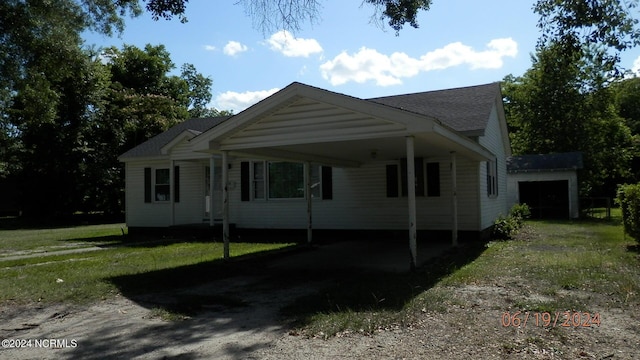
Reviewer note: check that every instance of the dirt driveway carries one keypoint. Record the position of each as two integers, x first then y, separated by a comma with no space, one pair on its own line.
125,327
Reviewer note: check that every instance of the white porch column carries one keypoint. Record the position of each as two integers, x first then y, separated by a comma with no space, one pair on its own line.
411,192
454,199
307,166
225,202
212,173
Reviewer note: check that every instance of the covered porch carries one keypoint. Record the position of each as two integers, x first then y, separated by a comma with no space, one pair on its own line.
308,125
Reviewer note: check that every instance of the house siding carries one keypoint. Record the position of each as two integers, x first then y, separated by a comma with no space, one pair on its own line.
493,206
360,202
190,209
138,212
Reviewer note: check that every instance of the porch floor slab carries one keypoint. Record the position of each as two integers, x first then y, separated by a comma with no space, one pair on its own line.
386,256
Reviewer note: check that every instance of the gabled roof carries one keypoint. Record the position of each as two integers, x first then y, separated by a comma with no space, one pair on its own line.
545,162
465,109
153,147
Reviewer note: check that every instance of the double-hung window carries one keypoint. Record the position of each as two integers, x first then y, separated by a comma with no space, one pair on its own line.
265,180
162,187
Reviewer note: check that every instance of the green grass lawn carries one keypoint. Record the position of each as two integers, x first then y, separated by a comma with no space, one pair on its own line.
62,238
552,266
89,276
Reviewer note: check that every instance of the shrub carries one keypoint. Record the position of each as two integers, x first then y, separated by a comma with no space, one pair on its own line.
520,212
628,197
505,227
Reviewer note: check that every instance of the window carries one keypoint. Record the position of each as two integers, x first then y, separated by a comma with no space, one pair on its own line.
161,185
316,183
262,180
492,179
286,180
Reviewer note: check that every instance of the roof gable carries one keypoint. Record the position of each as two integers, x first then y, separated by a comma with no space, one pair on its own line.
301,113
465,109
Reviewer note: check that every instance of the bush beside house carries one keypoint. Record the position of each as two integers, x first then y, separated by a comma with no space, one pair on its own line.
628,198
505,227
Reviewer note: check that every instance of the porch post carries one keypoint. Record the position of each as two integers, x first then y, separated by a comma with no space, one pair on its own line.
212,173
307,166
454,199
411,192
225,202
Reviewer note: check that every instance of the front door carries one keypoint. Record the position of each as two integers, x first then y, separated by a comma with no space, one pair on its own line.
217,193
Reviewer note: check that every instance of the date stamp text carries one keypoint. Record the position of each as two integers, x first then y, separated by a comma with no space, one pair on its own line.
567,319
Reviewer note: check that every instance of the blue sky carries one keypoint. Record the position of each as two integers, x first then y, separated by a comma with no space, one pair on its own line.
459,43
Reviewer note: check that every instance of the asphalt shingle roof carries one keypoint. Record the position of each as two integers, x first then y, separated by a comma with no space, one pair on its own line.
549,162
465,109
153,146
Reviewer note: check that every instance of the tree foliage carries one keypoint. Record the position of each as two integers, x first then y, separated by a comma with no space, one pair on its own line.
549,112
598,30
566,101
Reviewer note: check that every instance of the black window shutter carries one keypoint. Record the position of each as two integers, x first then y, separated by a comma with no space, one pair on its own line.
403,176
419,168
433,179
147,185
245,181
176,184
327,183
392,180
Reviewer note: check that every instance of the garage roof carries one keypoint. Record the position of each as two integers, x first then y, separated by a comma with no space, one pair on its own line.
545,162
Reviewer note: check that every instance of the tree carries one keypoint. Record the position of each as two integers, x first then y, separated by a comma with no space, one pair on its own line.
549,112
199,91
597,30
269,15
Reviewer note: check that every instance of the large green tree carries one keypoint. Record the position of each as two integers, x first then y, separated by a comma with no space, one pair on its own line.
143,99
564,102
56,97
549,111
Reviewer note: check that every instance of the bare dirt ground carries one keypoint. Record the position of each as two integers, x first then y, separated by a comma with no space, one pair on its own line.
470,328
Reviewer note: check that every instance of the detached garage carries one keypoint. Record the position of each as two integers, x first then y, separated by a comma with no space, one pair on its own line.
547,183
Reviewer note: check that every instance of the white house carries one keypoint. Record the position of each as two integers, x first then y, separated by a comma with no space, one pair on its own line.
308,158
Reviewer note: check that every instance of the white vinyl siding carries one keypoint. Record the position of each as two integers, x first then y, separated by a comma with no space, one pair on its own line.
493,206
191,208
360,202
138,212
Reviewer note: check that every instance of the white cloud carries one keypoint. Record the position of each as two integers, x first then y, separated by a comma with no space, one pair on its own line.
370,65
233,48
285,43
636,66
237,102
210,48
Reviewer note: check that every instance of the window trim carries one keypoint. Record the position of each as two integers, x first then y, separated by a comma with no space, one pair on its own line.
265,182
155,184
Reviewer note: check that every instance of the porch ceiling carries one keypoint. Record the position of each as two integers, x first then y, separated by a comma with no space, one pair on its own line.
354,153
